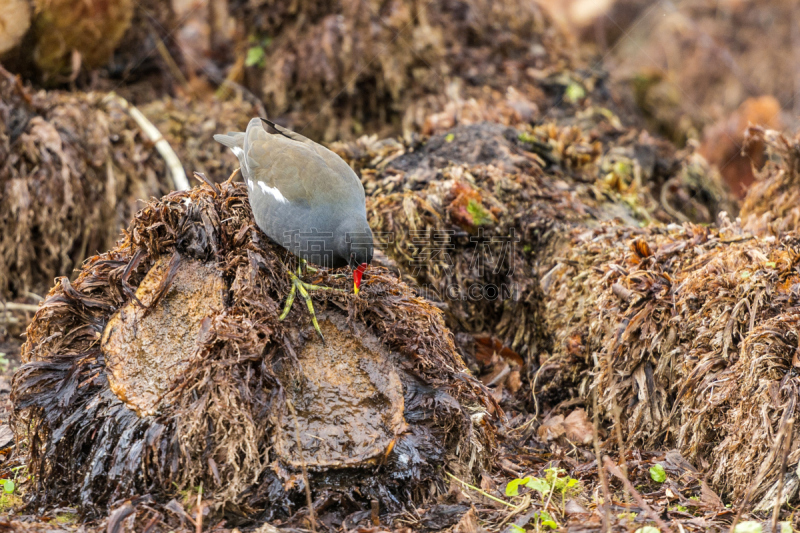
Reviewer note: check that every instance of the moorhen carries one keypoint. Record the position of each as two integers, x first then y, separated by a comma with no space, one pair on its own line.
305,198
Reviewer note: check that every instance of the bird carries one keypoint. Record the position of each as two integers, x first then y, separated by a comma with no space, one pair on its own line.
305,198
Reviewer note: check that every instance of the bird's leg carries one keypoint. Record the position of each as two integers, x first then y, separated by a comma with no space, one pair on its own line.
298,285
306,266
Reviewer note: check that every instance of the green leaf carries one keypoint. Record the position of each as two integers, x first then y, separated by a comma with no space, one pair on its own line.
786,527
547,520
773,264
512,489
516,529
537,483
526,137
657,473
255,56
8,486
571,482
648,529
747,527
480,215
574,92
449,137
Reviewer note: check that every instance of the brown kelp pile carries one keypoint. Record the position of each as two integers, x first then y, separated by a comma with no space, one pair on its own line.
772,205
164,367
689,335
472,217
335,69
75,166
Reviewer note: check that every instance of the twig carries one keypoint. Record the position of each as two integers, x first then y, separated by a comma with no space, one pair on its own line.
375,512
787,435
199,521
303,464
620,442
174,165
481,491
616,472
600,470
12,306
34,296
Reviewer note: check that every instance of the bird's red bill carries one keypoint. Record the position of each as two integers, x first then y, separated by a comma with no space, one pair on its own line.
357,273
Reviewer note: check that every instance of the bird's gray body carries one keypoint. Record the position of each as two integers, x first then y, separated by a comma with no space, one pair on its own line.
303,196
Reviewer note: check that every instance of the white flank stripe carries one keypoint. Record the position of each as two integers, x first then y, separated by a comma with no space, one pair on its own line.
250,183
273,191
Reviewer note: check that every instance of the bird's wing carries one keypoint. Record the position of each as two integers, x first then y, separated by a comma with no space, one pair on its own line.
331,159
291,169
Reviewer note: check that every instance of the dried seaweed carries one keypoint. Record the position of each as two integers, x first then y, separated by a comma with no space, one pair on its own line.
216,424
336,69
691,332
473,217
74,168
772,205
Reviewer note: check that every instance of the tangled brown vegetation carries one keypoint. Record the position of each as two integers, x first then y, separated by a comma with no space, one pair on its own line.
75,167
472,217
334,69
690,333
772,205
108,412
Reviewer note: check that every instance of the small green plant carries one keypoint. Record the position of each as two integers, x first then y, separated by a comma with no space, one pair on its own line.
516,529
657,473
679,508
480,215
648,529
257,53
4,362
627,516
574,92
543,519
526,137
449,137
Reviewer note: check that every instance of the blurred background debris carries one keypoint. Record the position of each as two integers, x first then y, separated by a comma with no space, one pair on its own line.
642,154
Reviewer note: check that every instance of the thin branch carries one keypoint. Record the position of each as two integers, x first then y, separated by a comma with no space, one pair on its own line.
481,491
12,306
174,165
600,470
787,435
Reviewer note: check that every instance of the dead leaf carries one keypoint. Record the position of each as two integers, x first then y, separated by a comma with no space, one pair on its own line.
578,428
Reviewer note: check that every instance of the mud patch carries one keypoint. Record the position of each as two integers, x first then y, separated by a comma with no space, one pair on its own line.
348,398
148,344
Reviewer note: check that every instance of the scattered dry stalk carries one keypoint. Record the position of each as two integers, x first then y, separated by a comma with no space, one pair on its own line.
616,472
